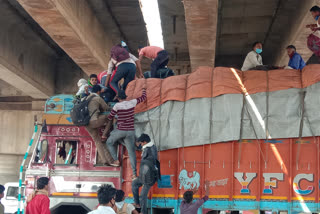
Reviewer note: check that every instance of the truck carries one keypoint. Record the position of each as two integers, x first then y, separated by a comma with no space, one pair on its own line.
252,135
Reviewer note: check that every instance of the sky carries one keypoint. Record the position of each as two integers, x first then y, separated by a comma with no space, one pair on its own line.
150,11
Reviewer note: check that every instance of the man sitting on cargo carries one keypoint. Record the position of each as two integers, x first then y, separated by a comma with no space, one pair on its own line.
125,127
296,61
187,207
97,106
106,198
159,56
149,172
253,58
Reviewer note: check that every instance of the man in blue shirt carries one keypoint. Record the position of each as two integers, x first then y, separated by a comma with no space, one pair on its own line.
296,61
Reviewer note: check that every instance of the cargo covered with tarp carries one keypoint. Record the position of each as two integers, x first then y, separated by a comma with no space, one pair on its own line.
221,104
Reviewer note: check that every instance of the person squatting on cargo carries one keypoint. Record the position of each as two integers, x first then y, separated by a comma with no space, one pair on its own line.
107,200
296,61
135,59
125,127
96,107
83,88
122,206
149,173
187,207
159,56
38,202
2,188
125,67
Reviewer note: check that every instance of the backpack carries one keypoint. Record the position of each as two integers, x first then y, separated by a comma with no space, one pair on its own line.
123,209
80,115
313,43
119,53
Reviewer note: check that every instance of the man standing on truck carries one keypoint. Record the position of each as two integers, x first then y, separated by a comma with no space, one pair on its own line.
107,200
1,196
38,202
96,107
149,173
125,127
159,56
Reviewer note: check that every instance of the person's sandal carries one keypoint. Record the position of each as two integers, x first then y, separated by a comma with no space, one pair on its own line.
134,177
115,163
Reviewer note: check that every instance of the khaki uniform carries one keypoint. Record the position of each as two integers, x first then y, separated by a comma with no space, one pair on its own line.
96,106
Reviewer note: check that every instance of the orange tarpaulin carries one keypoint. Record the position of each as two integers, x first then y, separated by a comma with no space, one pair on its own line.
212,82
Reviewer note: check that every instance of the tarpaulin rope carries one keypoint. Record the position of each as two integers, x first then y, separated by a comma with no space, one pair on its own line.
267,116
22,164
241,124
182,121
211,117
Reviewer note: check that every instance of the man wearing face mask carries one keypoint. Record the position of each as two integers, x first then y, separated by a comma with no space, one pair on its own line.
253,58
107,201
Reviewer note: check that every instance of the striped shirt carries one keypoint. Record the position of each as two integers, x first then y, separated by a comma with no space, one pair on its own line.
125,112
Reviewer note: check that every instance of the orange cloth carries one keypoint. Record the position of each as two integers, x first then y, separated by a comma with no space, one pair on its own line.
213,82
150,52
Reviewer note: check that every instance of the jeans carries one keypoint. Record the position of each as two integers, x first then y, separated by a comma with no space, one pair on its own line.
160,61
144,194
93,129
129,142
126,71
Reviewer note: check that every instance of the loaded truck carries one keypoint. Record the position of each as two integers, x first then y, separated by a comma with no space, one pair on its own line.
254,136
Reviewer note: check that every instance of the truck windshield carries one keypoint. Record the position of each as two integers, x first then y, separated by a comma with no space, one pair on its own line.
12,193
66,152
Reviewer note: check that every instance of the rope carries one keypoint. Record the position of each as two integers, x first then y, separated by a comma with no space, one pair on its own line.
211,115
152,132
183,112
302,94
241,127
267,115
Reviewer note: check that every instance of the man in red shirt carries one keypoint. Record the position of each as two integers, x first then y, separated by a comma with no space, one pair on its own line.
38,202
159,56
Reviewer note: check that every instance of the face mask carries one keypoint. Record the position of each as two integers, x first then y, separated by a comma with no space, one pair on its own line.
259,51
316,18
139,147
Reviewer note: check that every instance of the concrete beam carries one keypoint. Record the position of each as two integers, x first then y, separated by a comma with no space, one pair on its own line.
201,22
73,26
26,62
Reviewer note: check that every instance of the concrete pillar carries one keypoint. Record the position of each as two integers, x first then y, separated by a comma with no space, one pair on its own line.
201,22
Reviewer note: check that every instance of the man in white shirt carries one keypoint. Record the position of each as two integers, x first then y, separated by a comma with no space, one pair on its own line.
253,58
107,202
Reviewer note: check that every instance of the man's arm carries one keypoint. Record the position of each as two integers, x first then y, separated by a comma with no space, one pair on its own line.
143,96
253,59
139,69
294,62
113,112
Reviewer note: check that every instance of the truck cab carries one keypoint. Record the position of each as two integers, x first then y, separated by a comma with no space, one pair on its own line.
67,155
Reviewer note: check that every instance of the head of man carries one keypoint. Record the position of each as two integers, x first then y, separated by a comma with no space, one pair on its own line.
140,47
96,89
121,95
42,183
93,79
119,195
291,50
143,140
257,47
188,196
315,12
1,191
107,195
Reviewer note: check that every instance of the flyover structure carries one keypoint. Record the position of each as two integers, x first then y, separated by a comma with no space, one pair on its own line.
47,45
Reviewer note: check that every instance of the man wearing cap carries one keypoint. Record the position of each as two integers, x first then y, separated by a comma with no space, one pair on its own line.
1,196
38,202
159,56
125,127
